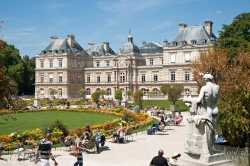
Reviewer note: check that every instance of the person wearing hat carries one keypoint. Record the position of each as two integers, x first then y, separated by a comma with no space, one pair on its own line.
159,160
174,158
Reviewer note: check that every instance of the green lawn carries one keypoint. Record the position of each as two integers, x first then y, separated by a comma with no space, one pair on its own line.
32,120
164,104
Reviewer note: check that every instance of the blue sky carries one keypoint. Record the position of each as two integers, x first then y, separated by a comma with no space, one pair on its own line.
29,24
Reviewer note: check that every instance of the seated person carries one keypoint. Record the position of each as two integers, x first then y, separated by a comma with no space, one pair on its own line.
116,134
99,138
26,141
67,141
87,129
178,120
86,139
127,129
162,122
168,119
174,158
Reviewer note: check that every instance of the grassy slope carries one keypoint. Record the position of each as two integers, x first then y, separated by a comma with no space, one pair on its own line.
164,104
37,119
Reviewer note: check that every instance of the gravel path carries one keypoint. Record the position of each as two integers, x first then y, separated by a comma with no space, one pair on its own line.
138,152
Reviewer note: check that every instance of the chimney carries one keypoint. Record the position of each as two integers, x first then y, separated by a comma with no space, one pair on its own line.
182,26
90,44
106,46
143,43
209,27
53,38
165,43
71,39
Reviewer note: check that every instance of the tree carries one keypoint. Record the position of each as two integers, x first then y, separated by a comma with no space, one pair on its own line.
164,89
174,92
82,92
118,95
95,96
138,97
236,35
53,92
129,93
29,75
234,81
102,93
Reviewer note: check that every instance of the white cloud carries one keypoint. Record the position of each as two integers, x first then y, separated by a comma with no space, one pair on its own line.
218,12
54,5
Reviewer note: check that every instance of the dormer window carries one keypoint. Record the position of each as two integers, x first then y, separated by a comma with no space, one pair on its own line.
56,51
175,43
193,42
204,41
183,42
50,51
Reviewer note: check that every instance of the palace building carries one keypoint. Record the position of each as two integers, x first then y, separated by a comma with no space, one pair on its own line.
65,66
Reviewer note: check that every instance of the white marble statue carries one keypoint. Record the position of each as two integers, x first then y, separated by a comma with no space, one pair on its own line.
123,95
204,114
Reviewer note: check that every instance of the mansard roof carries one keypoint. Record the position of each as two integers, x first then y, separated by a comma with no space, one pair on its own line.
59,46
98,50
193,34
129,47
152,47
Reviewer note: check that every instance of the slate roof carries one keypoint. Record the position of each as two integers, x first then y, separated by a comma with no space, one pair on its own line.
62,46
129,47
98,50
152,47
193,33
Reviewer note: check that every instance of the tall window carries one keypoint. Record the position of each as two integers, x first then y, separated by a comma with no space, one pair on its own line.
122,77
72,78
97,64
42,78
172,75
79,78
151,61
72,93
187,58
98,78
88,78
60,92
173,58
42,64
162,61
51,63
88,91
51,78
143,78
109,77
107,63
109,92
60,78
187,76
156,91
60,63
42,92
155,77
78,64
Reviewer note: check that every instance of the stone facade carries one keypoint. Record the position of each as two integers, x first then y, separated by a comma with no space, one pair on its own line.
65,66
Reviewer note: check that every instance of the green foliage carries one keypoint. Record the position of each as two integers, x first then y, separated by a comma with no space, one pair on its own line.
127,117
18,104
58,124
164,89
165,104
52,92
129,93
82,92
138,97
118,95
95,96
102,93
236,35
174,92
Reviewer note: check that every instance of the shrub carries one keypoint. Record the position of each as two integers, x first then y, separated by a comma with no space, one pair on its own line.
58,124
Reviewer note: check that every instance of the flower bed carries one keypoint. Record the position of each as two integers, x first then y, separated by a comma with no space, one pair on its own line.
136,120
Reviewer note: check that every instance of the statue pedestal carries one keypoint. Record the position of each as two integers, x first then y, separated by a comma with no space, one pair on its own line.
124,103
37,102
204,160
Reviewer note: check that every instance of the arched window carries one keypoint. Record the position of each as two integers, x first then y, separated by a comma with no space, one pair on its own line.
109,92
72,93
42,92
156,91
59,92
144,91
98,89
88,91
187,92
